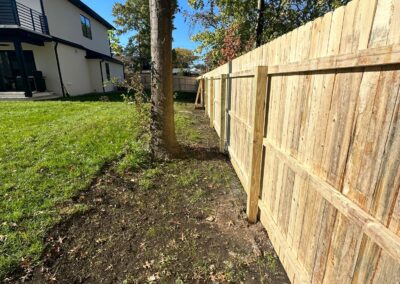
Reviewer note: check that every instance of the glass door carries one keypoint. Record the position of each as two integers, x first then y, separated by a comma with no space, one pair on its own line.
10,73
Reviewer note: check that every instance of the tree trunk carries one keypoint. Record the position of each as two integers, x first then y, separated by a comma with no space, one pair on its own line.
163,142
260,22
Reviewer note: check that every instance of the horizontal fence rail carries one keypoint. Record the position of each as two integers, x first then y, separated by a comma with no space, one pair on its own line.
311,122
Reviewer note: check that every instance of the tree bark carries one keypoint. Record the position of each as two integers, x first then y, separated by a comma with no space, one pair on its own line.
163,142
260,22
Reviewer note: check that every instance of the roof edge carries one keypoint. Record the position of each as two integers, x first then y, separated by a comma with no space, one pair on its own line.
85,8
90,54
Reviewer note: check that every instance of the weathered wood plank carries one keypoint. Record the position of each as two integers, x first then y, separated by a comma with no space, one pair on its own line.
260,95
279,241
211,92
222,137
384,237
379,56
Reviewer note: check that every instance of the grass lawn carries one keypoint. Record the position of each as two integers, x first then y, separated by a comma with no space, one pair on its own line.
48,152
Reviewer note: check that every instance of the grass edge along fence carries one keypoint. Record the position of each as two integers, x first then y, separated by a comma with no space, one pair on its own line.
311,123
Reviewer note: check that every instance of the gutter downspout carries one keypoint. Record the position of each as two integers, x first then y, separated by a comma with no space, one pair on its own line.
59,72
102,77
42,7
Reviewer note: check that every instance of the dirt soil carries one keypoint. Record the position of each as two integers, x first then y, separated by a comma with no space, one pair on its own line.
182,221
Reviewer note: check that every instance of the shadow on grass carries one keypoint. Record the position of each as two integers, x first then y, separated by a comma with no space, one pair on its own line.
203,153
184,97
95,97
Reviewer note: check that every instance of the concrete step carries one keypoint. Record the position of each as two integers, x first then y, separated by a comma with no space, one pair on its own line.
20,96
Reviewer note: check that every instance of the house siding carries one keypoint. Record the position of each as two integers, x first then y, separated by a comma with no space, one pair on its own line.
82,75
33,4
95,75
75,70
64,22
116,71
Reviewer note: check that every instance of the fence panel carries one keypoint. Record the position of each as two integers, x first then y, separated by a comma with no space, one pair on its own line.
180,83
217,104
329,188
239,111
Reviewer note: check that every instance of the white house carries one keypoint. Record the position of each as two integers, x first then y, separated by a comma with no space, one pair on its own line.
58,46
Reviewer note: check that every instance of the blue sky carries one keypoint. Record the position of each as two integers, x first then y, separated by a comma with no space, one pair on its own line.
181,33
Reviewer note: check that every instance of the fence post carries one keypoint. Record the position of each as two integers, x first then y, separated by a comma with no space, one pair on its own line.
203,94
223,113
205,90
211,101
260,95
199,102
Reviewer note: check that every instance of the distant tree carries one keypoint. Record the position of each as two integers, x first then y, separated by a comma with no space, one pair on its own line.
229,29
163,138
134,16
183,58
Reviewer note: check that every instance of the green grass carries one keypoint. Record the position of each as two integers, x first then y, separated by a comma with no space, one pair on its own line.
48,152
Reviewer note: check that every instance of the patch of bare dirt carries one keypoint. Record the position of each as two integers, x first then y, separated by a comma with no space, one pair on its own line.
182,221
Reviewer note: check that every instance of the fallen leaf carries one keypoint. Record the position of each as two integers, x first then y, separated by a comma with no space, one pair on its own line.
153,278
60,240
210,219
148,264
183,238
3,238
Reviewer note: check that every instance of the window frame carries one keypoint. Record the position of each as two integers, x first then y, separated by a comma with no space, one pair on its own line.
86,27
108,73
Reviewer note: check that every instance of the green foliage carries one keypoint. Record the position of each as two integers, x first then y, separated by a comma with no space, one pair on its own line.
229,27
188,132
132,88
136,155
115,44
183,58
48,152
270,261
134,16
147,181
188,178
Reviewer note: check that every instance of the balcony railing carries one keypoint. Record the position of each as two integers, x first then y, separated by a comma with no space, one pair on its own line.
15,13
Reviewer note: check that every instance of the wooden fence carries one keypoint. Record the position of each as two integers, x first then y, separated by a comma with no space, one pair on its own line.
181,83
311,123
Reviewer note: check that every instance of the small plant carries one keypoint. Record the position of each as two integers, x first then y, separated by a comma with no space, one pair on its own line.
179,281
136,155
132,87
189,178
147,180
270,261
151,232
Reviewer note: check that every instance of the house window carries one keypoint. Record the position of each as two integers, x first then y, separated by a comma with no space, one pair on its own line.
86,28
108,72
